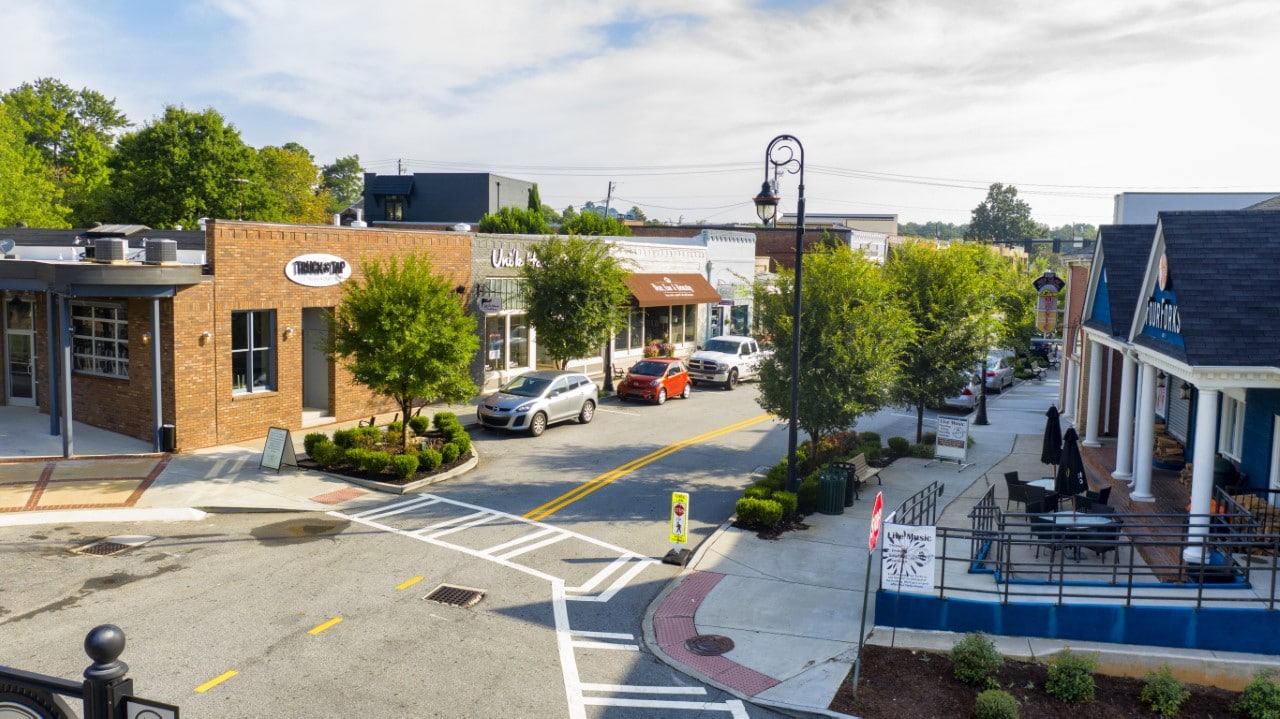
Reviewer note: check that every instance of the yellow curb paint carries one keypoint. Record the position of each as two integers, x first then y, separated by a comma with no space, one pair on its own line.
214,682
326,625
582,490
408,583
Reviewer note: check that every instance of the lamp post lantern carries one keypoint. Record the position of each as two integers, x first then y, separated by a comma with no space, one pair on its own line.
786,154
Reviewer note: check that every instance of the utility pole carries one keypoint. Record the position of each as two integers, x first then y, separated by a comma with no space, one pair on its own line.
608,343
399,167
608,197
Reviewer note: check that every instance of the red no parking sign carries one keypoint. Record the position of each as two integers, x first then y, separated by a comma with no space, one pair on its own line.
875,521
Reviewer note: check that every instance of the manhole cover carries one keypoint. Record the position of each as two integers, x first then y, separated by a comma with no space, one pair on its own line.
709,645
455,596
111,545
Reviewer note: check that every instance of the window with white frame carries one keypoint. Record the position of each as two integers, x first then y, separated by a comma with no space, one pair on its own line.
1231,428
252,351
100,339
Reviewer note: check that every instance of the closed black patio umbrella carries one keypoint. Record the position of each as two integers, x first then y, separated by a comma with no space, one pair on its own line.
1070,477
1051,450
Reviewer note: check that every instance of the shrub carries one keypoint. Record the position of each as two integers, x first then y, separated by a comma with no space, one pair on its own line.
865,438
762,512
899,447
419,424
996,704
929,438
355,456
449,452
345,438
974,660
757,492
1071,677
441,419
327,454
872,451
374,461
776,478
396,426
922,451
368,437
807,496
310,441
1261,698
1163,693
393,437
404,465
430,459
788,501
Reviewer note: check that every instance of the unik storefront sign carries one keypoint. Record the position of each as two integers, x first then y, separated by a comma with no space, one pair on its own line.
317,270
513,258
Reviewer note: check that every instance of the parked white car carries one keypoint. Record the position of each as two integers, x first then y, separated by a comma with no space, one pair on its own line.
1000,367
968,397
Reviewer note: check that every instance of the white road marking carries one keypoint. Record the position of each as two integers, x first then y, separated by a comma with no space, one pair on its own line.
634,689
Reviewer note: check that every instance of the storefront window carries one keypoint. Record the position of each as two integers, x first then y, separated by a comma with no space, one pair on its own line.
657,323
495,342
1231,438
637,329
100,340
252,352
690,323
506,342
519,343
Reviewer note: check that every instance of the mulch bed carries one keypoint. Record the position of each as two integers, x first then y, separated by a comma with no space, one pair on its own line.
384,477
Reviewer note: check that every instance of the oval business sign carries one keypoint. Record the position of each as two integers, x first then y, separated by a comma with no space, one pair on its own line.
317,270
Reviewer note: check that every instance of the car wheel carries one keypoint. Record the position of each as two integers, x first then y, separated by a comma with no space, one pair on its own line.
687,391
662,396
588,411
538,424
733,379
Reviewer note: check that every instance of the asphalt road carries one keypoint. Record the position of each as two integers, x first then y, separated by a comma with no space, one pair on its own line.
323,615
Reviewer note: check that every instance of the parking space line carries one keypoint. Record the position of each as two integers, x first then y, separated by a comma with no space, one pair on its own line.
321,627
215,682
408,583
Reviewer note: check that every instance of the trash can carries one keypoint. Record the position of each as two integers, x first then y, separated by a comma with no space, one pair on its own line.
831,492
850,487
168,438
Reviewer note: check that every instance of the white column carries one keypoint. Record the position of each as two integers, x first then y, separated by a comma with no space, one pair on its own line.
1070,407
1202,474
1124,432
1095,397
1145,442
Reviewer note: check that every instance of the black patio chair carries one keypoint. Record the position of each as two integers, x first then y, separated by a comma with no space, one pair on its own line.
1101,509
1016,488
1041,500
1104,494
1045,533
1103,539
1083,502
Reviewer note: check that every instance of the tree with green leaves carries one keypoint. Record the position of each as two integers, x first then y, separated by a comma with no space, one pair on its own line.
27,193
404,333
515,221
938,288
576,295
635,213
344,179
73,130
1003,218
594,224
852,332
535,200
286,187
181,167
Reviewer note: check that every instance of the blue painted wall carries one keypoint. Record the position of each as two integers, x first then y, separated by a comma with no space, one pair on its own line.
1260,408
1254,631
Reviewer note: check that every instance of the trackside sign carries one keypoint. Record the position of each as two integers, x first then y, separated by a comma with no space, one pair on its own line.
317,270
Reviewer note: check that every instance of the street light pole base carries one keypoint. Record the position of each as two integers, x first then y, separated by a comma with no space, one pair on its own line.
678,557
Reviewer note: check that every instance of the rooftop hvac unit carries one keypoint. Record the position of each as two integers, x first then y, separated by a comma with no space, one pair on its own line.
110,249
161,252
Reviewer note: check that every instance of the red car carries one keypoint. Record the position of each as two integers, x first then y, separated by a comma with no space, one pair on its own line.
654,380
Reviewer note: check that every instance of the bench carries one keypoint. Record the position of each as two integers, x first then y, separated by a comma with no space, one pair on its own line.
857,473
1038,370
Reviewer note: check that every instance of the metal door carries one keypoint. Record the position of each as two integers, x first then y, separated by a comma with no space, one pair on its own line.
20,352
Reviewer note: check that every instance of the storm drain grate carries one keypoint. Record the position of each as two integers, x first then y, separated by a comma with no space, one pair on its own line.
455,596
709,645
111,545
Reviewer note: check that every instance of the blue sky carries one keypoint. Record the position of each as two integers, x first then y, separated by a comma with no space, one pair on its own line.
911,107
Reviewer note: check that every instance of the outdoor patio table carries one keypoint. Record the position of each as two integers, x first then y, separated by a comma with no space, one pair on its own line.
1043,483
1078,521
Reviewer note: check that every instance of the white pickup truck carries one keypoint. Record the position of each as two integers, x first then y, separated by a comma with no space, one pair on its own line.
726,360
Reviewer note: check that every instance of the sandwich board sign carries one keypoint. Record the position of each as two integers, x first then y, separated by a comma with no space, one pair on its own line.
278,450
953,439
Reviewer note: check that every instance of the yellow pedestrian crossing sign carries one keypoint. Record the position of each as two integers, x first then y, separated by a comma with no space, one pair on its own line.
679,518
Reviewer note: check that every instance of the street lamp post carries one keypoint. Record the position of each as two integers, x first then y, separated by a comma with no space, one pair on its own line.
785,153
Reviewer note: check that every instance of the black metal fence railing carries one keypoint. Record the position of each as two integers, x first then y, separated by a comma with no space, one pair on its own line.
1217,559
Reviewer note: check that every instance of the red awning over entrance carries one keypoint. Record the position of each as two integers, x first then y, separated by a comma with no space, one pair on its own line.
661,289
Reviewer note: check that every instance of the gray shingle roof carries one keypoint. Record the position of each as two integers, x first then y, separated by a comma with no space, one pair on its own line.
1221,268
391,185
1124,257
32,237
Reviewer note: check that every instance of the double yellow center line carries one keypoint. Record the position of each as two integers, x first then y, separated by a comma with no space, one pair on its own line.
592,485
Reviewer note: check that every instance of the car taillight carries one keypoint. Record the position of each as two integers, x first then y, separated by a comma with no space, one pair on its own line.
967,392
991,373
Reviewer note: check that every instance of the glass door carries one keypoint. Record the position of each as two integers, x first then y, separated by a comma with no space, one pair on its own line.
20,355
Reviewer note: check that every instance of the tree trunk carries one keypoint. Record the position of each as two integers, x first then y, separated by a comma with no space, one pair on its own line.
919,421
405,404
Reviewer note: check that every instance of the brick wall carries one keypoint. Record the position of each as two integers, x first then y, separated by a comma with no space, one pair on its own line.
248,262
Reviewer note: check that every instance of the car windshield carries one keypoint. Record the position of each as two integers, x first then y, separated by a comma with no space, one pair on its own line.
725,346
649,369
526,386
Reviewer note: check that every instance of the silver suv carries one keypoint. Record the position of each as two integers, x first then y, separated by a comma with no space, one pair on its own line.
537,399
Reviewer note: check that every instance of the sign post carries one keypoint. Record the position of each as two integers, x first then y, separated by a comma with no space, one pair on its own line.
876,513
278,450
678,532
